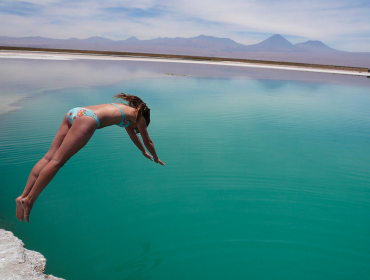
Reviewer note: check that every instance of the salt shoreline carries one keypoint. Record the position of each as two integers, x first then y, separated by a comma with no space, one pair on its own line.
16,262
71,56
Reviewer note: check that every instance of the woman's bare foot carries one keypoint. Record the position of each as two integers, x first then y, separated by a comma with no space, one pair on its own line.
20,210
27,207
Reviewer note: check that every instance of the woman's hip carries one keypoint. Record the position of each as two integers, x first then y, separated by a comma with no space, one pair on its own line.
78,112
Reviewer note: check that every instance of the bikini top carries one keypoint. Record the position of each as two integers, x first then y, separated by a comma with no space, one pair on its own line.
124,122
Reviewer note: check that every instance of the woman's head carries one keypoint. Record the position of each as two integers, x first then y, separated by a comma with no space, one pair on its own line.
137,103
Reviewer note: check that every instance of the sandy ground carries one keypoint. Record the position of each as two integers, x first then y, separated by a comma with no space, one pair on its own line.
67,56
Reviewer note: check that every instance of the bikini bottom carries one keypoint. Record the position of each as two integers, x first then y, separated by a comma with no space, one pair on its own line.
80,112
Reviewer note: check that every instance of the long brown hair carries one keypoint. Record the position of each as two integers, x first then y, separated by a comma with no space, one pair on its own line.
138,104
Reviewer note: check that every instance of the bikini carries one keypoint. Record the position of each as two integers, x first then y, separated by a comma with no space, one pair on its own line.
80,112
124,122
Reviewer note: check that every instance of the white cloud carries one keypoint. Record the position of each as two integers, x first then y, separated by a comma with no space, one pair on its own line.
333,22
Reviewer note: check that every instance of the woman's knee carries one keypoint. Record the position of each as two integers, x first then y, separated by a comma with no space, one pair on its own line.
57,163
48,156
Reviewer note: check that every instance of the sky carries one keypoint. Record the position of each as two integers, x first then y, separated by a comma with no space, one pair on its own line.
341,24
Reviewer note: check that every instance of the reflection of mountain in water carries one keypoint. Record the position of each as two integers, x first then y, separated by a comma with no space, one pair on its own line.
140,265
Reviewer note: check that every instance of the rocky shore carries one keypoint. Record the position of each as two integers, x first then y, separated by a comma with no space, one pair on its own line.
16,262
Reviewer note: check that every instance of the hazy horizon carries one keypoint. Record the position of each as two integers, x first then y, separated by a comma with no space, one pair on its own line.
274,48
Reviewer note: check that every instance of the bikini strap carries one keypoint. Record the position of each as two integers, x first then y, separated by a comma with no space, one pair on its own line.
121,112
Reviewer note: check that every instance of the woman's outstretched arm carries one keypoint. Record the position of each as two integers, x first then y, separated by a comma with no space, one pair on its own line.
136,139
141,125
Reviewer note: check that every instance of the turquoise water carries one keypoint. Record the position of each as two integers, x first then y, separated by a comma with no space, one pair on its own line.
263,180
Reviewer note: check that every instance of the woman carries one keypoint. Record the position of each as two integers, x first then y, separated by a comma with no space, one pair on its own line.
73,134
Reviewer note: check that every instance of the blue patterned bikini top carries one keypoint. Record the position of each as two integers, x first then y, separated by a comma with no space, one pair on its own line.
124,122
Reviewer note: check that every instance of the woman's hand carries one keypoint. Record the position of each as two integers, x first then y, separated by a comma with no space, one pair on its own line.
159,161
147,155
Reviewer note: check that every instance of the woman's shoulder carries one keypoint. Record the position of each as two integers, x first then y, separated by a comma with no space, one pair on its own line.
128,111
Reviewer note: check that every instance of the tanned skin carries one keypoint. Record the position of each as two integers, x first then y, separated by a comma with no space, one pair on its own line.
71,138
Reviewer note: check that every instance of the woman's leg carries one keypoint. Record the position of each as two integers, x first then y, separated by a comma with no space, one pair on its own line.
58,139
77,137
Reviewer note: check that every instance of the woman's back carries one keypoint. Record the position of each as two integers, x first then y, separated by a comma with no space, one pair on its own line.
109,114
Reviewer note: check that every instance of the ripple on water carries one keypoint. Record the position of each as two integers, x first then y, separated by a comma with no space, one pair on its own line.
268,181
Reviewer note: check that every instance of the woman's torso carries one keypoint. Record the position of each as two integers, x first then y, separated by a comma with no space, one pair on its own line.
109,114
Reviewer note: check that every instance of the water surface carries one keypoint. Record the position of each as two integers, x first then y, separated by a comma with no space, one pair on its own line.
264,179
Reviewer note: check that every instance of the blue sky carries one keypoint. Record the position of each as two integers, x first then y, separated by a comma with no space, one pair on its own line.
341,24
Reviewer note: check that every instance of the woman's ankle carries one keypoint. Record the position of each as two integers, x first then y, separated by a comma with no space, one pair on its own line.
28,199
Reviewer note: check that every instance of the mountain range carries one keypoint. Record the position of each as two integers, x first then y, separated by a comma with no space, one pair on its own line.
275,48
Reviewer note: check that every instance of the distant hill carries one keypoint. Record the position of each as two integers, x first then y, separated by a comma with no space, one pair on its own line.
98,40
202,42
275,43
132,39
275,48
199,42
315,46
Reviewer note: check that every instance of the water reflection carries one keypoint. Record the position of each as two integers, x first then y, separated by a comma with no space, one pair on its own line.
22,78
7,224
276,85
142,264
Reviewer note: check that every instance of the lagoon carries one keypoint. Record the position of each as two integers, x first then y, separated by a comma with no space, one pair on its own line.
266,177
